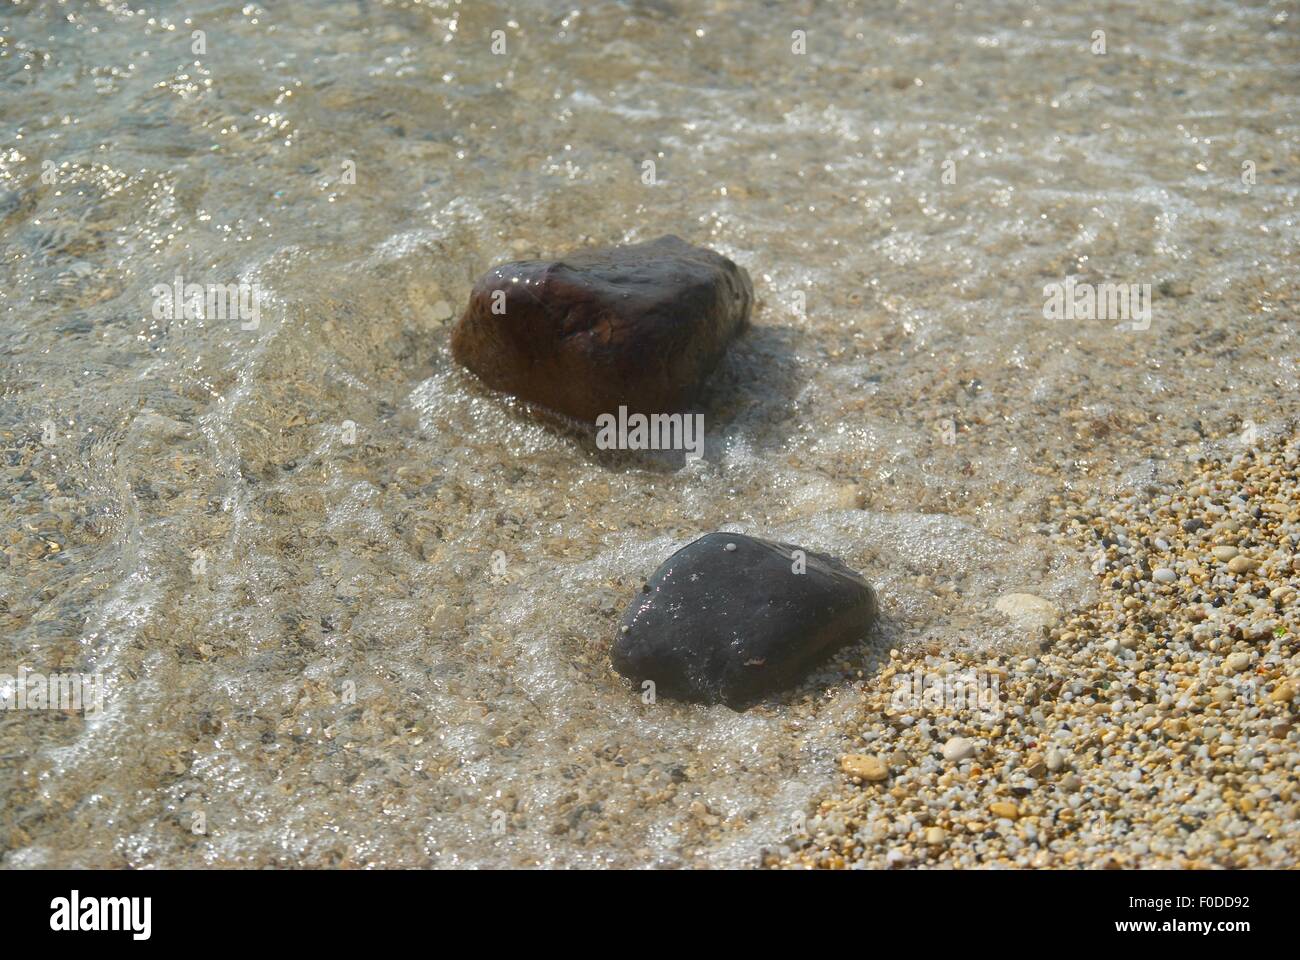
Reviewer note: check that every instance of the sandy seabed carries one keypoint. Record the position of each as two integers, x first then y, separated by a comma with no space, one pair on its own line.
353,610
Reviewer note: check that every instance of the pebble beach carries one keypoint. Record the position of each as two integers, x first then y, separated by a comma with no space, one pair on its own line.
1156,729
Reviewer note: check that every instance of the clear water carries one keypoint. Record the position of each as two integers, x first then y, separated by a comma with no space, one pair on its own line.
305,637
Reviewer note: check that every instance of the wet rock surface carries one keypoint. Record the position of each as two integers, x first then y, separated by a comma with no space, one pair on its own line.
640,326
728,619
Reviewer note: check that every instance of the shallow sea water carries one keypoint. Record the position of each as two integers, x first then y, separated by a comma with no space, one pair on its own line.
355,610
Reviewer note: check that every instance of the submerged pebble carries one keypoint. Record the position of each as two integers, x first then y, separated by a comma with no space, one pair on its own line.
1027,610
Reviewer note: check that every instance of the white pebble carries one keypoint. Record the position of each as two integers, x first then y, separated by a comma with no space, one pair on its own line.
958,748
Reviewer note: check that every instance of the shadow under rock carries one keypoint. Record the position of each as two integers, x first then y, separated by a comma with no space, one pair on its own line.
751,396
753,391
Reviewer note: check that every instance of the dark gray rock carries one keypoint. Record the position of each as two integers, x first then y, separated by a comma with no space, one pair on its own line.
727,619
640,326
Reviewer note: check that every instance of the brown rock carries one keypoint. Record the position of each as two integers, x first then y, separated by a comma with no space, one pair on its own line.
640,326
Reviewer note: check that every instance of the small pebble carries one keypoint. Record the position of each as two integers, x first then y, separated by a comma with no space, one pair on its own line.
1284,692
1237,662
957,749
1241,564
1027,610
866,768
1005,809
